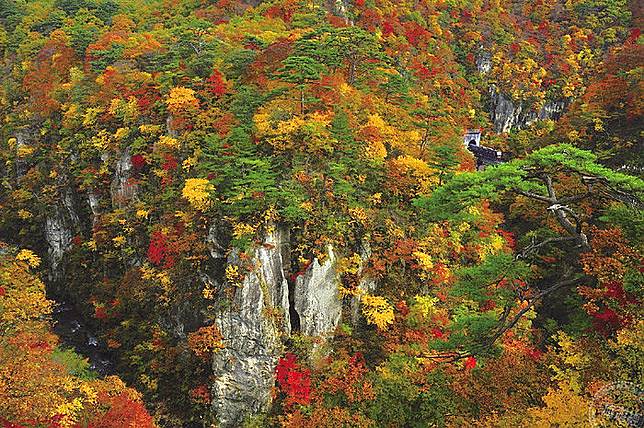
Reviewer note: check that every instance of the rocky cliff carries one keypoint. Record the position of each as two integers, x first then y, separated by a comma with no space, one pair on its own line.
253,327
508,114
316,297
257,324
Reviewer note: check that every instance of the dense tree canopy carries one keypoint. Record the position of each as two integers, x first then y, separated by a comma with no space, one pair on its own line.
147,136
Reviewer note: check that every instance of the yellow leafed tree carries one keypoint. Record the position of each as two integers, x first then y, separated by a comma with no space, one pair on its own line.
197,192
377,311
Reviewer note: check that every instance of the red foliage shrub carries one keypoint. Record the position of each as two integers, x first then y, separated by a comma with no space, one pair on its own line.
170,162
402,308
508,236
534,354
635,34
138,161
294,381
437,333
415,33
470,363
157,249
387,29
606,321
124,412
100,313
216,84
200,394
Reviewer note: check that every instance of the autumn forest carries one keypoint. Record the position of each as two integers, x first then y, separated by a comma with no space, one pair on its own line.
321,213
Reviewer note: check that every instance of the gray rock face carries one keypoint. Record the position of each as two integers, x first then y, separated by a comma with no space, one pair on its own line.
508,116
180,318
216,246
257,322
484,62
59,238
252,329
316,298
122,188
366,285
24,137
339,8
504,114
60,225
94,205
552,110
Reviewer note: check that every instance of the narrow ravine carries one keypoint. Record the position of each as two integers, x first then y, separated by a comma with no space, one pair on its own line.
75,334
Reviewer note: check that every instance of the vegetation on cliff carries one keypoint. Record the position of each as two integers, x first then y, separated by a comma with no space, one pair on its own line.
148,148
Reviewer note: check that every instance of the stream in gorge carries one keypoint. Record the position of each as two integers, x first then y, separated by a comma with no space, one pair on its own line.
75,334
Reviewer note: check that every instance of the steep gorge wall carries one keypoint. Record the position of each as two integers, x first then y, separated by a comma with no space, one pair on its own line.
508,114
253,328
316,298
258,323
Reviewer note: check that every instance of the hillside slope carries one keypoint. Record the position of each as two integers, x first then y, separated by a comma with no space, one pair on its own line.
267,212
